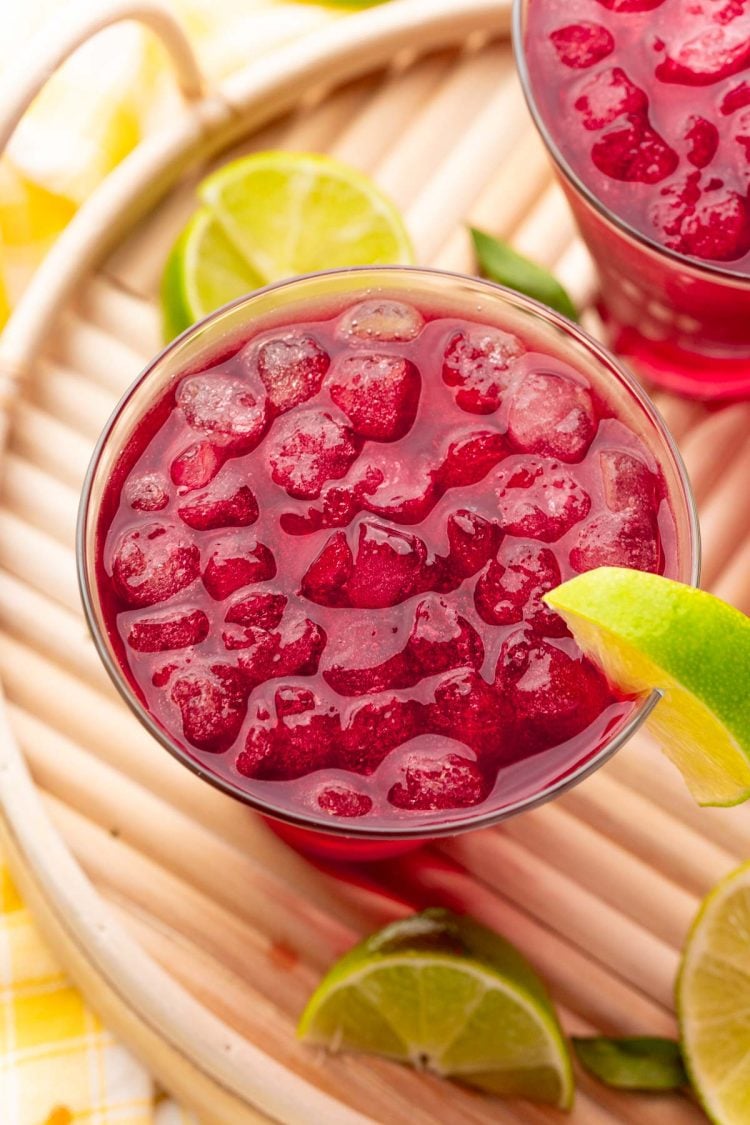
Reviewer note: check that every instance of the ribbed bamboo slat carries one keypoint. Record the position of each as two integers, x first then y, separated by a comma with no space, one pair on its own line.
598,889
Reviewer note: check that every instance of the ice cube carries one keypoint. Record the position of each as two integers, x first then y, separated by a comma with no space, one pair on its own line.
292,369
380,320
231,412
632,151
223,504
580,45
169,631
607,95
539,499
212,700
551,415
234,563
627,538
433,778
196,466
553,694
511,588
378,393
152,563
479,362
309,448
149,493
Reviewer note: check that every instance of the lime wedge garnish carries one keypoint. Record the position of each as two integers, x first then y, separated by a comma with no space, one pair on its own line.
276,215
713,1001
445,994
648,632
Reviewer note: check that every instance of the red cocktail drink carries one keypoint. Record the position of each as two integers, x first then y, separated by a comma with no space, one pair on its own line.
645,107
316,534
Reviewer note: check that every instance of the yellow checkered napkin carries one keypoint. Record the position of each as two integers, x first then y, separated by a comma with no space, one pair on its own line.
58,1066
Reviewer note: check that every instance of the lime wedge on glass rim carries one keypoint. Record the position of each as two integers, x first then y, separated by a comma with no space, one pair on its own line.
647,632
445,994
713,1001
271,216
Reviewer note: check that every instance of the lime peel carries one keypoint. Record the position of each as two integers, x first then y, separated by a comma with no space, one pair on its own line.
650,633
443,993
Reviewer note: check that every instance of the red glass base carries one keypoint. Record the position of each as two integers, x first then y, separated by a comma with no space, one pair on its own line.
340,849
684,373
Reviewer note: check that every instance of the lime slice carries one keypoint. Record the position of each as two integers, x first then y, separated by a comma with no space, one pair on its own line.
276,215
203,272
445,994
713,1001
648,632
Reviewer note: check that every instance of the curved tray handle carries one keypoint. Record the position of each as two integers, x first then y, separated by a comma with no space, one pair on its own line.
21,84
23,81
270,86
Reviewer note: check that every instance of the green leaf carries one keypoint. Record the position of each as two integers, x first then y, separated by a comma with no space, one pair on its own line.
501,263
634,1063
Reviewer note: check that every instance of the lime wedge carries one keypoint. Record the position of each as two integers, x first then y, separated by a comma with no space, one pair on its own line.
445,994
647,632
276,215
713,1001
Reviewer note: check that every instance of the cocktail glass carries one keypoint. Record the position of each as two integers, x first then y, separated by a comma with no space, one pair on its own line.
683,323
526,783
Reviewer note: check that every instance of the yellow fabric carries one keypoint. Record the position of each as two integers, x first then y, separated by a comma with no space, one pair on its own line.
58,1065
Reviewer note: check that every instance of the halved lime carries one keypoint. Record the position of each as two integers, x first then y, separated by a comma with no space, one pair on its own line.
713,1001
445,994
202,273
648,632
271,216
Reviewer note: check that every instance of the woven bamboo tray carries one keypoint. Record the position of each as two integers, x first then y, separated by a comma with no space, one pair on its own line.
195,932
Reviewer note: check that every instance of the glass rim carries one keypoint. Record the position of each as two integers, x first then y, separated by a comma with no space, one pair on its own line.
697,265
309,820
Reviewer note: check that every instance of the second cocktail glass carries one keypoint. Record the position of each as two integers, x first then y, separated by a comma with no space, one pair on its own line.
680,318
